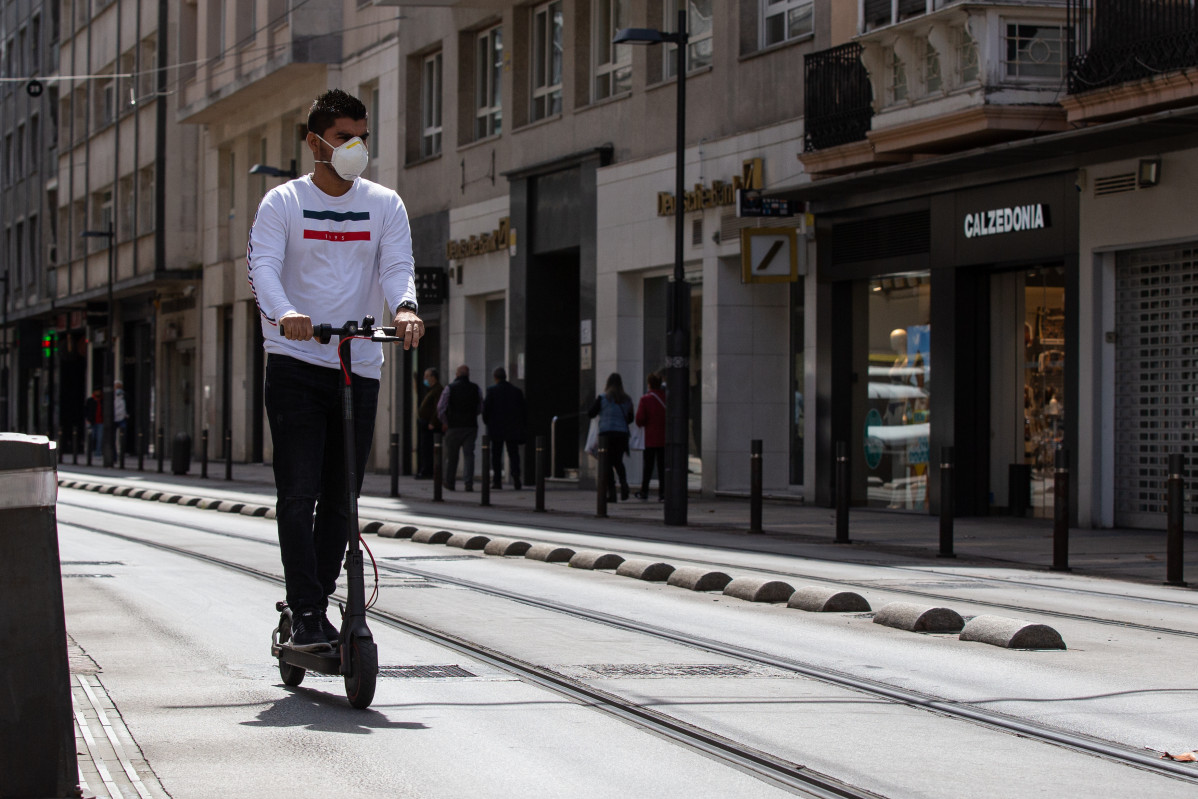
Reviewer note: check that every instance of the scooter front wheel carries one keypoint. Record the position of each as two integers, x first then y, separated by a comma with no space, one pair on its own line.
291,675
363,671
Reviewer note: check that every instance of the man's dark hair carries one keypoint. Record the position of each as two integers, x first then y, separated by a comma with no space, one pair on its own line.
500,373
654,381
331,106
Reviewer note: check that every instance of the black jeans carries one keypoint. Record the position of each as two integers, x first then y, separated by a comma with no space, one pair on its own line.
654,455
424,449
303,405
513,456
617,448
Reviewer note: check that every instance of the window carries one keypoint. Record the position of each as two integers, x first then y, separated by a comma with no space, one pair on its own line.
547,24
430,106
8,165
145,200
896,77
35,43
376,112
35,142
147,69
125,208
79,223
784,20
127,93
931,68
22,44
35,254
105,111
20,167
613,62
698,28
1035,52
488,102
21,261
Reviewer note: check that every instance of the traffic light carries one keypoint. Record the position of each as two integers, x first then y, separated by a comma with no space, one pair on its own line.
50,343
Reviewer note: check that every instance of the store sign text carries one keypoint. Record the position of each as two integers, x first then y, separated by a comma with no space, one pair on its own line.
720,193
480,245
1006,220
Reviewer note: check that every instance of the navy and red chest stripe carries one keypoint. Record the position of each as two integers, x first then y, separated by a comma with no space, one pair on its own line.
337,216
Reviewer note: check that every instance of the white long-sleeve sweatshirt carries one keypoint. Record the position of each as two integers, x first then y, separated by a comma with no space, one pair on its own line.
333,259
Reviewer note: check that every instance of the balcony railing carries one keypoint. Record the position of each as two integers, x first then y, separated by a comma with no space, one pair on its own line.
838,106
1116,41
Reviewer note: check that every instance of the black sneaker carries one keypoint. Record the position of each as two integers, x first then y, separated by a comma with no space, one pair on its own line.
306,632
333,634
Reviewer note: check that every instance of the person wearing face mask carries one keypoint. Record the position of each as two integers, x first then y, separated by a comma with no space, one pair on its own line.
329,246
429,425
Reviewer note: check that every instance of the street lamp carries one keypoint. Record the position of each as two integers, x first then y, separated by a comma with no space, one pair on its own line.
274,171
678,311
110,352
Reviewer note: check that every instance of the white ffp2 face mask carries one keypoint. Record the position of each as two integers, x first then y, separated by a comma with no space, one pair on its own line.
350,159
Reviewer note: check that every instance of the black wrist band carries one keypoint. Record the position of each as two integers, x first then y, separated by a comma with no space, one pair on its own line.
408,305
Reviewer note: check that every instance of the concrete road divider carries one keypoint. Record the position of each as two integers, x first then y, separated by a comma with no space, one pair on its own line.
550,553
187,501
151,495
919,618
431,536
170,499
229,506
207,503
270,513
467,541
595,560
393,530
759,589
648,570
368,526
696,578
254,510
107,489
123,491
827,600
1011,633
506,547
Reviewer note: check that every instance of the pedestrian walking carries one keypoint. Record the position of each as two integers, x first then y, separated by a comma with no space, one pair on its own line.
93,415
504,413
429,425
614,409
458,409
120,415
326,246
651,417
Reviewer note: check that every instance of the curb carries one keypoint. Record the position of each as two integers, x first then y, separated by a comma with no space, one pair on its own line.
827,600
759,589
696,578
595,560
431,536
506,547
550,553
467,541
647,570
919,618
1011,633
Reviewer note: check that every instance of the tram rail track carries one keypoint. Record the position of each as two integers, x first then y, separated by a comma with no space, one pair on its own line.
771,769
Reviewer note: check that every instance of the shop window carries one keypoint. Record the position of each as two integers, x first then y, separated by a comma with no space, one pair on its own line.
1034,52
698,29
613,62
896,423
1044,380
785,20
798,369
547,43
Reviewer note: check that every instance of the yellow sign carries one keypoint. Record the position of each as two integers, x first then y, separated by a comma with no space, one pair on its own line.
769,255
718,194
480,245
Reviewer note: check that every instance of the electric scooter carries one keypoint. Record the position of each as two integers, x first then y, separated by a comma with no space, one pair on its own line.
356,657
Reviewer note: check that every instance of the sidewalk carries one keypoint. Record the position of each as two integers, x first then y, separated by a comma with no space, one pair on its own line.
792,528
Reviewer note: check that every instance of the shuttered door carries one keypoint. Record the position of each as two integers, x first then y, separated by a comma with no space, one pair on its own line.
1156,378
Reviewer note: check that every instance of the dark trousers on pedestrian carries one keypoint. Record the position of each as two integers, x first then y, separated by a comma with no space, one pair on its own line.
459,438
424,450
654,455
617,448
513,457
303,405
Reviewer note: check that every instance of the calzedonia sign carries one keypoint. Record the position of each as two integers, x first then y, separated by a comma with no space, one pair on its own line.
1017,219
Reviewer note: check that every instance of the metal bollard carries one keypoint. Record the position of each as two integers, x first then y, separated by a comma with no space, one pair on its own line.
204,453
485,493
1060,512
38,756
1175,536
601,478
160,450
118,441
842,493
540,463
755,486
88,446
948,501
75,446
393,464
141,451
62,451
228,454
437,468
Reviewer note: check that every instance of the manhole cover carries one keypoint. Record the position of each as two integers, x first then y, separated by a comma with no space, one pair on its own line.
68,576
669,670
432,557
424,672
91,563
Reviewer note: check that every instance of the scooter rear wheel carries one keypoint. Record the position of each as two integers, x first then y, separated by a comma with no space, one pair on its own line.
291,675
363,672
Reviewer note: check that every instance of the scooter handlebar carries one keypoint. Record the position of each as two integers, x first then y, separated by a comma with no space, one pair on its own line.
325,331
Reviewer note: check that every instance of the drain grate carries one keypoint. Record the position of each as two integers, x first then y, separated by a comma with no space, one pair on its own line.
432,557
66,576
669,670
91,563
424,672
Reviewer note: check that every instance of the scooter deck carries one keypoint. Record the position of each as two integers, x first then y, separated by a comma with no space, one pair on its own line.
319,662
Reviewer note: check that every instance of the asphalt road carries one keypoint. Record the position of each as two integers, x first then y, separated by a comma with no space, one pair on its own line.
182,650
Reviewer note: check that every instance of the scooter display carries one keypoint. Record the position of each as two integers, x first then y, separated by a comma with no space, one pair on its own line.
356,656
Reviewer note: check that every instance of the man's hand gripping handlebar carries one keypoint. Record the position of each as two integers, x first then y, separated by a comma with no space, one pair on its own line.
351,329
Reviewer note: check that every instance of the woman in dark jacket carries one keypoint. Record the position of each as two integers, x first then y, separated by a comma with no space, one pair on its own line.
651,415
614,409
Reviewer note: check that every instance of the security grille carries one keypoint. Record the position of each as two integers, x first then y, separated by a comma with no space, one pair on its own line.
425,672
1156,385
